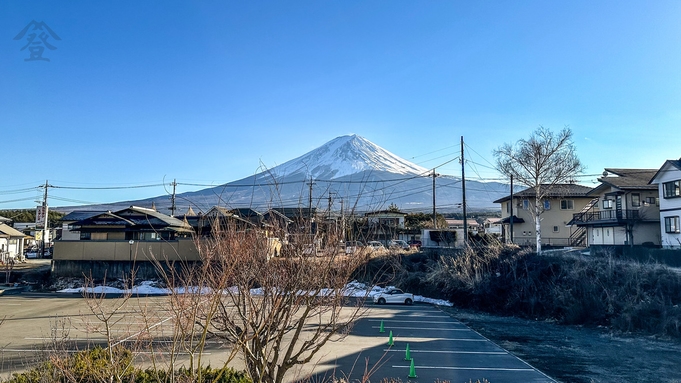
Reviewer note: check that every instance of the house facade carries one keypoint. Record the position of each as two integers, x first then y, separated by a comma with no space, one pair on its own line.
668,182
385,225
558,208
624,210
11,243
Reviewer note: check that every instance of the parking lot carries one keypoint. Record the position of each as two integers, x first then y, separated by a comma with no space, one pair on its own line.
441,347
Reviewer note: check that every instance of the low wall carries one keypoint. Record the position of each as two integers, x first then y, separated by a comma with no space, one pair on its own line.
179,250
115,259
110,270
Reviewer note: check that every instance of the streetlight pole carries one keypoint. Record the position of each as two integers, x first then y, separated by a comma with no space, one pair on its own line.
131,242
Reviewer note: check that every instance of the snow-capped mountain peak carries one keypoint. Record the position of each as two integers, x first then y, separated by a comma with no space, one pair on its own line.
346,155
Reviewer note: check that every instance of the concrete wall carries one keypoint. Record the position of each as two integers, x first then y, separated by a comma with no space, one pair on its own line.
184,249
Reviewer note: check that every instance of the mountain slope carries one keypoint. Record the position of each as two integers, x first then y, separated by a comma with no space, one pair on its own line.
349,171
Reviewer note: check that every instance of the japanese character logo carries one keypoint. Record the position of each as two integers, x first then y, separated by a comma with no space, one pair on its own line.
37,42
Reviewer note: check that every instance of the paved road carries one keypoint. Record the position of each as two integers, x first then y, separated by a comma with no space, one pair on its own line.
442,347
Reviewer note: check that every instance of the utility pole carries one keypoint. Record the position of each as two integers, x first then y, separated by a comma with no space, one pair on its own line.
309,210
172,199
342,220
463,196
45,221
510,218
330,203
434,212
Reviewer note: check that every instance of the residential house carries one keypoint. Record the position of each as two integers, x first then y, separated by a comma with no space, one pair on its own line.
73,217
132,223
558,207
384,225
11,243
110,244
492,226
668,181
473,225
624,210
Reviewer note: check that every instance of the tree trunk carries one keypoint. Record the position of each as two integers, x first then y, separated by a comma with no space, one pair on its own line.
537,223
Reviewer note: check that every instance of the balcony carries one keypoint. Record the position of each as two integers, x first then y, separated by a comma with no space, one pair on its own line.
614,216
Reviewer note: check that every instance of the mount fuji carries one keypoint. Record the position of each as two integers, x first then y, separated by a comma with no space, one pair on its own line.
349,172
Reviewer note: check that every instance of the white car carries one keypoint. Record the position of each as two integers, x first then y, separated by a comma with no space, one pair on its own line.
394,295
375,246
399,244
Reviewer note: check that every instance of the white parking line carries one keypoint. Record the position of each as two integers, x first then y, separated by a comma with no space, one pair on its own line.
421,328
418,339
468,368
415,321
449,352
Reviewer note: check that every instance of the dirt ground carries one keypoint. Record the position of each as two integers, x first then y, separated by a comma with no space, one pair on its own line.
580,354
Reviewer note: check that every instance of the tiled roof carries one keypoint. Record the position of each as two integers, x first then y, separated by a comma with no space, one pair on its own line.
79,215
629,178
556,191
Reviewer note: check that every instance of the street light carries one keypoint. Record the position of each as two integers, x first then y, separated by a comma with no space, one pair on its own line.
131,242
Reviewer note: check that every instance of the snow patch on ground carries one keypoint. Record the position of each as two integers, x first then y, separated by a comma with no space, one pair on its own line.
352,289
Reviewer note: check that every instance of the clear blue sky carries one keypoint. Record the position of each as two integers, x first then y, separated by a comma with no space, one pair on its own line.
206,92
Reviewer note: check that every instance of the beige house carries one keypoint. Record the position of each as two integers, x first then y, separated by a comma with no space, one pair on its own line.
558,208
624,211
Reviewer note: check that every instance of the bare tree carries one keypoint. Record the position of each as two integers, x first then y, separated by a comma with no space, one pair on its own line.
276,312
541,162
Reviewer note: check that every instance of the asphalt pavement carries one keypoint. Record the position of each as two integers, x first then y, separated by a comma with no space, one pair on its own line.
442,348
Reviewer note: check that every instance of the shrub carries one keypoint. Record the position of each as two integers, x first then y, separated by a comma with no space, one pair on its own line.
95,366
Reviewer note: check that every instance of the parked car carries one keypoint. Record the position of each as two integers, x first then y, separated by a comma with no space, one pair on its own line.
394,296
375,246
32,255
353,247
398,244
415,244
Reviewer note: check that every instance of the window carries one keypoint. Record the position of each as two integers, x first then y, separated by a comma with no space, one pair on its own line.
556,229
607,204
671,224
547,204
508,207
672,189
635,200
652,201
567,204
526,204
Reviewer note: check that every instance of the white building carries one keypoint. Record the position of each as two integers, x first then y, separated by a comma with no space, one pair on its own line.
668,180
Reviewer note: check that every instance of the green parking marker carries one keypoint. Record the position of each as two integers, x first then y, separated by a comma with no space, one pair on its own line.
412,370
407,354
390,340
381,329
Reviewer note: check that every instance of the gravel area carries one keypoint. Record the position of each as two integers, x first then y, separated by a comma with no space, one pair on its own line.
580,354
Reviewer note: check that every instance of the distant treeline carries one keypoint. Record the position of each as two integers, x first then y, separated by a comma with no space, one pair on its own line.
28,215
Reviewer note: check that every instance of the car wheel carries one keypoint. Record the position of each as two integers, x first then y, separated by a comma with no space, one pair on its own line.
381,301
408,301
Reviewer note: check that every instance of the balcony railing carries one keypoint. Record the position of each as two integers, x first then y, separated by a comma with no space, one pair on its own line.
614,215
